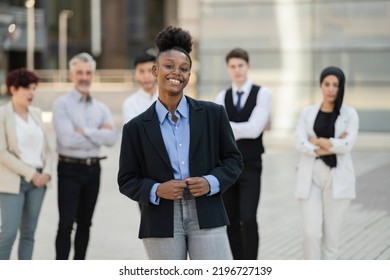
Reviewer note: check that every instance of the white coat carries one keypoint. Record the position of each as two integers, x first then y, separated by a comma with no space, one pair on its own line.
343,175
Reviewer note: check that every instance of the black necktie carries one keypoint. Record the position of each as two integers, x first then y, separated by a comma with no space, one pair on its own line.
238,104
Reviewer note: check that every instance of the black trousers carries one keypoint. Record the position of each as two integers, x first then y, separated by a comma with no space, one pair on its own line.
241,202
78,188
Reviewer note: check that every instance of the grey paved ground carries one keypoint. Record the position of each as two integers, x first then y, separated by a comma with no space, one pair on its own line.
366,234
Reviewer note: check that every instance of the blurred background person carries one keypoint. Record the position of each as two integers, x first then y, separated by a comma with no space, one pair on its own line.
248,107
325,135
82,125
141,100
25,164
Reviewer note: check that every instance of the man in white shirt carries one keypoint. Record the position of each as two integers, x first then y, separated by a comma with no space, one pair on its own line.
141,100
248,107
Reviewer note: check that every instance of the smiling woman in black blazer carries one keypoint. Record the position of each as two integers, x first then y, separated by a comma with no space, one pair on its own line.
176,160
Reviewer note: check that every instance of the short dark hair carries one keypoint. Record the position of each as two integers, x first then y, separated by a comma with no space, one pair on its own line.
142,58
238,53
20,77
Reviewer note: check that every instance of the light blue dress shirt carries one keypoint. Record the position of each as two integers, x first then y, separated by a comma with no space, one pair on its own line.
177,142
71,111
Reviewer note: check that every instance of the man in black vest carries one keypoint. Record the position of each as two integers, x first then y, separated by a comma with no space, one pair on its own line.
248,107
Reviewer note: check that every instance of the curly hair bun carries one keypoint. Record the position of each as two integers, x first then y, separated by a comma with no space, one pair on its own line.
173,37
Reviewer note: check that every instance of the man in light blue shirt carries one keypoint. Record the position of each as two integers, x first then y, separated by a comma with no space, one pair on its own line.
82,125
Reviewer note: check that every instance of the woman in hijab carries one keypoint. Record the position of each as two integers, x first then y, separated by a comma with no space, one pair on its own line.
325,135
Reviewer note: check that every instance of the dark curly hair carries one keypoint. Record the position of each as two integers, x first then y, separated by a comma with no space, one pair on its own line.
20,77
174,38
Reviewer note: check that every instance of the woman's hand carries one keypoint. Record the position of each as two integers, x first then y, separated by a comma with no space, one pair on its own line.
343,135
40,180
314,140
322,142
198,186
323,152
172,189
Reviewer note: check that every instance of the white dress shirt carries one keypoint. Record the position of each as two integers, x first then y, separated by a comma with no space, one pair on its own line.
260,116
137,103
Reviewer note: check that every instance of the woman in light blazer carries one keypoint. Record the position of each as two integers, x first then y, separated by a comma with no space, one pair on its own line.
25,164
325,136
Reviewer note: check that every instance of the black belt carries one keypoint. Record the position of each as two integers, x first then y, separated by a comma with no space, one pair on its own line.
84,161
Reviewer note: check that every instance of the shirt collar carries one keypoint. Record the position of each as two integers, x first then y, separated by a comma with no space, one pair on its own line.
78,96
246,87
182,109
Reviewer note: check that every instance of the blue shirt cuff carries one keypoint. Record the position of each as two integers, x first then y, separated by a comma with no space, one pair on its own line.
153,198
214,184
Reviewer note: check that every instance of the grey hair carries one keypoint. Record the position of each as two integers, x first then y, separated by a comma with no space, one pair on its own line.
82,57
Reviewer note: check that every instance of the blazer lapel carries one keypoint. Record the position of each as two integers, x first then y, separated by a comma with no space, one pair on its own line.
197,116
36,115
153,133
37,118
11,129
312,118
341,123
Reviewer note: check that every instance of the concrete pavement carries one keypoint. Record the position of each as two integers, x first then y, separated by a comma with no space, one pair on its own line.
366,232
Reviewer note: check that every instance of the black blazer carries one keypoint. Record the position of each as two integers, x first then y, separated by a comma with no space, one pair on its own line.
144,161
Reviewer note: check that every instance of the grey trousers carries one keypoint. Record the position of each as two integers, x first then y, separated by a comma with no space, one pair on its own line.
199,244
